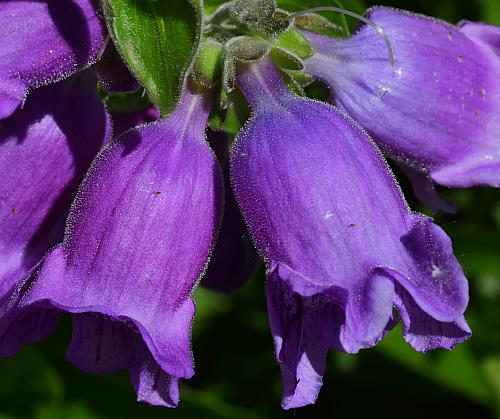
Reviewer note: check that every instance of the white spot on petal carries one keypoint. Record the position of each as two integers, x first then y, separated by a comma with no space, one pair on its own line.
436,271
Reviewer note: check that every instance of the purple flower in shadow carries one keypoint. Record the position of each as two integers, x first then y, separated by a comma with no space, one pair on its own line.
48,137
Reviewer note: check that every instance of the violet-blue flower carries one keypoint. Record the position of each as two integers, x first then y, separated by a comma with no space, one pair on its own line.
48,137
130,257
437,109
340,244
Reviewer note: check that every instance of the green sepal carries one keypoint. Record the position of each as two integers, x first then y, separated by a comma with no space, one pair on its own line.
292,84
217,118
301,77
357,6
285,59
295,42
207,69
319,24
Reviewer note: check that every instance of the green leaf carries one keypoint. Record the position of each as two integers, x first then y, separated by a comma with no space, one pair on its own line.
126,102
441,367
490,12
491,368
158,40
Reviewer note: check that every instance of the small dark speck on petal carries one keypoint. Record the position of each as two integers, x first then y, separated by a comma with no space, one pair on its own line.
477,112
156,193
13,211
460,58
352,225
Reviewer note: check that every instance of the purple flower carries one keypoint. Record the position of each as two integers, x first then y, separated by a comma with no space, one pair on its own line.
437,109
131,257
340,244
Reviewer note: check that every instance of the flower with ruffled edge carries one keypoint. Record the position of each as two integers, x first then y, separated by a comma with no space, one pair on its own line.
130,257
340,244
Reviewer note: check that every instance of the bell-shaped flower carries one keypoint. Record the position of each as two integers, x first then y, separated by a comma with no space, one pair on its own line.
341,246
137,240
43,42
437,109
45,150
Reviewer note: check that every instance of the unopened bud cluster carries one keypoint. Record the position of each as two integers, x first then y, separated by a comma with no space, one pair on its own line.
247,30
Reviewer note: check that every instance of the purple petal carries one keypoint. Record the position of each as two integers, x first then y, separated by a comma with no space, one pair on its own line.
137,241
42,42
437,108
154,386
431,273
303,328
425,333
368,311
113,73
483,33
45,150
331,223
234,259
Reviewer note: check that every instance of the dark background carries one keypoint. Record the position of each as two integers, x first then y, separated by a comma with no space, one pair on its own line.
236,374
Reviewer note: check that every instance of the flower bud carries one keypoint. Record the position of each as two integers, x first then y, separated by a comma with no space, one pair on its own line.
207,68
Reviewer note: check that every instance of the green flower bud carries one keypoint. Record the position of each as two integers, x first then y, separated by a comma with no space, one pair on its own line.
246,48
207,69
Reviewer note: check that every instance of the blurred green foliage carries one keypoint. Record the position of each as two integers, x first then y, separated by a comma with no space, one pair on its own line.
236,374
